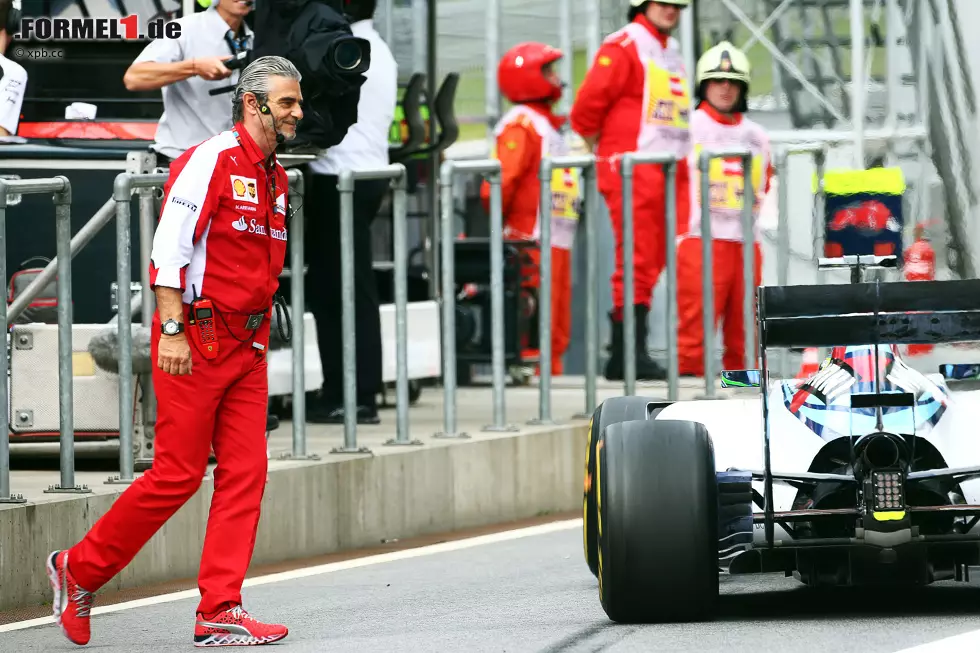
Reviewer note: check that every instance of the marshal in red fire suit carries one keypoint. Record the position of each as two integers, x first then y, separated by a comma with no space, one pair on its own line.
529,131
223,232
636,97
520,147
716,131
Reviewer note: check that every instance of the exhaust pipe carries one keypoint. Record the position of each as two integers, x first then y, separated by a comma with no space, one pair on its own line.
881,452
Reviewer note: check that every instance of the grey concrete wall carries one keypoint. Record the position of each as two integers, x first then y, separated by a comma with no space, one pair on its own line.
322,507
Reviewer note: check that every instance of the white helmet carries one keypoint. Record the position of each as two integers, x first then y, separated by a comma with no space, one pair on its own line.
636,6
725,61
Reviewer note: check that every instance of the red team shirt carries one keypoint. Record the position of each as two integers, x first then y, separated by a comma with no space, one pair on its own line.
222,230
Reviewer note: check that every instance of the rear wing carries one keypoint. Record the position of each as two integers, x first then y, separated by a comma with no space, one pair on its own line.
900,312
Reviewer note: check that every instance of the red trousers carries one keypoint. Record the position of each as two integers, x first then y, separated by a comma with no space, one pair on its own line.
729,292
223,403
649,216
561,301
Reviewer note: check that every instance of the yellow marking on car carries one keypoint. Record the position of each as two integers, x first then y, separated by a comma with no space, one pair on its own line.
892,515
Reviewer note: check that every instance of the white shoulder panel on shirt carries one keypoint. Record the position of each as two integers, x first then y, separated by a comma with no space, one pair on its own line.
190,188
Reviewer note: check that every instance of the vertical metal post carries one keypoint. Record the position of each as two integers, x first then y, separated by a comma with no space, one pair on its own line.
591,291
707,277
62,213
748,262
565,45
893,24
858,85
345,186
400,237
544,294
148,400
388,8
498,354
5,494
629,248
492,55
122,194
782,238
670,212
297,289
420,11
628,166
448,245
593,34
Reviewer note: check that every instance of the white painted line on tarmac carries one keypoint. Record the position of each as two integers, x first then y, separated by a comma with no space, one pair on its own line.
966,642
381,558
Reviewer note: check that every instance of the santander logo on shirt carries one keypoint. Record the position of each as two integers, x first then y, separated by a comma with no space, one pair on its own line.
253,227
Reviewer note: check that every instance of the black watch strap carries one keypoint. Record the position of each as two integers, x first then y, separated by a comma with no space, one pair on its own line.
171,331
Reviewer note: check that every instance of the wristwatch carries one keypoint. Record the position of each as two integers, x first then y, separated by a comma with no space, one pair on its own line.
171,327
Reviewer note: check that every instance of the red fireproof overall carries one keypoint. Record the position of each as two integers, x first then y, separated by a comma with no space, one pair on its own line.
223,231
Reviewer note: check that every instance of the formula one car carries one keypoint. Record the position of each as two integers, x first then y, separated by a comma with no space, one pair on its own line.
866,472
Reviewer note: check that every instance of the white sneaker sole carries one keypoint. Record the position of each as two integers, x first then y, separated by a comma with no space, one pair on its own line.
237,640
58,601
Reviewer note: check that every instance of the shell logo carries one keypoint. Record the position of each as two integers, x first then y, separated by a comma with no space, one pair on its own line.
239,187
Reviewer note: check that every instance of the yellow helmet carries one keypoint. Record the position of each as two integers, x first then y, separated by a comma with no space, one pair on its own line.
725,61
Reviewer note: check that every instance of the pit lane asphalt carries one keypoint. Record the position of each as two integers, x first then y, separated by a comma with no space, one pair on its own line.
534,594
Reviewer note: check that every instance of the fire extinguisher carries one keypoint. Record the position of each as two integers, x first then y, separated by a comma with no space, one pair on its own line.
920,265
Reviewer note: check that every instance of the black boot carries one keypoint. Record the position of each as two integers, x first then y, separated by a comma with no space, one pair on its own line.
614,365
647,369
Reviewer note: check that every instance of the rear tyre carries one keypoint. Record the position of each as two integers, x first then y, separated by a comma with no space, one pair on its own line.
611,411
657,501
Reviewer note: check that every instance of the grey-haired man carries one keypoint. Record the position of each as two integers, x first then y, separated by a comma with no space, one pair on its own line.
217,255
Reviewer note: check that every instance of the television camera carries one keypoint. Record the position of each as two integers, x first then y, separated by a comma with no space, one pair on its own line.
315,35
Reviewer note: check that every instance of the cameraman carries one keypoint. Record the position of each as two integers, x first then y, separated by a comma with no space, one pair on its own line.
186,69
364,146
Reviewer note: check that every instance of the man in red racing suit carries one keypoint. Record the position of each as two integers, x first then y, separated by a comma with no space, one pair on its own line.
221,237
636,98
528,132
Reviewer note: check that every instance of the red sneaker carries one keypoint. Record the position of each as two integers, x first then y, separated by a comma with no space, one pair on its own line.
72,604
235,627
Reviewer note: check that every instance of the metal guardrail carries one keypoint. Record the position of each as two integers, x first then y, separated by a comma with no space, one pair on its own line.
345,186
60,188
119,207
707,269
447,174
629,163
122,192
585,163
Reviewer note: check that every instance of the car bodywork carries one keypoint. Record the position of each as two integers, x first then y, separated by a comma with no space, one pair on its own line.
867,470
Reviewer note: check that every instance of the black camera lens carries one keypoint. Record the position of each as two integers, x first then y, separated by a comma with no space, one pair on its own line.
347,55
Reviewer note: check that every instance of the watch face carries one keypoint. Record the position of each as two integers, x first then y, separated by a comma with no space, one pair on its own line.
170,328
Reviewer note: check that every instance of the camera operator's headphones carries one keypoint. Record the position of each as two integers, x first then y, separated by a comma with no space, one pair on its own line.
14,15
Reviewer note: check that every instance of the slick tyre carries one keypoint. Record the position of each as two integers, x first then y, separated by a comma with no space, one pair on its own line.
611,411
657,501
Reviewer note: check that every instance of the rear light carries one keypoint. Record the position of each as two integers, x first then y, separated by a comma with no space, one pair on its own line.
888,488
